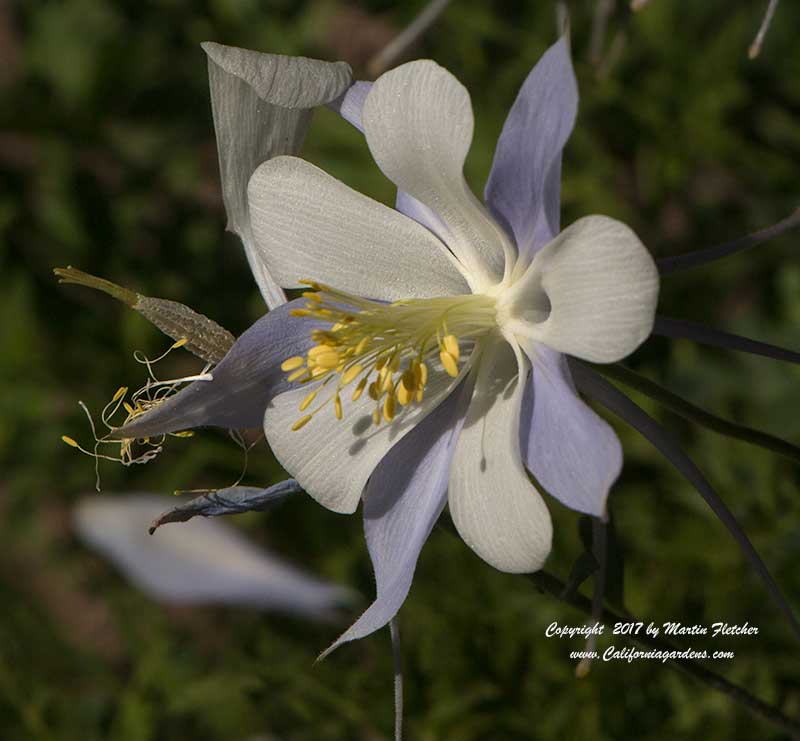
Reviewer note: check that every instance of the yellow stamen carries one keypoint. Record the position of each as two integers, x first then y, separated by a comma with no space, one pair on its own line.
69,441
337,405
383,348
449,363
292,377
302,422
351,374
404,395
388,408
359,389
308,400
376,417
292,363
451,345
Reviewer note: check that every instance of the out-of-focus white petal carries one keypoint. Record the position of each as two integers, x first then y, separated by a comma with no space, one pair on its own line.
494,506
197,562
418,122
308,225
332,459
262,106
591,292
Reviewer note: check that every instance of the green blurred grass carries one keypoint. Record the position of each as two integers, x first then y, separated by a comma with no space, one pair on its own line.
108,163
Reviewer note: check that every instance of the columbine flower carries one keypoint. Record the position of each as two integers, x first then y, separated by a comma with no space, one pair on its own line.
426,364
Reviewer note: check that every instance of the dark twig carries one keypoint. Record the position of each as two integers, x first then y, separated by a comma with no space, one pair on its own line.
602,12
755,47
689,411
681,329
398,46
667,265
599,389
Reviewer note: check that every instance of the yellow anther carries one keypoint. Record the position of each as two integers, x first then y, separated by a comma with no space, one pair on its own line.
311,296
409,379
302,422
381,362
317,372
374,391
180,343
308,400
388,382
299,312
129,409
328,360
420,394
388,408
395,364
449,363
121,391
292,363
337,406
359,389
422,369
323,356
292,377
376,417
182,433
351,374
404,395
451,345
69,441
361,346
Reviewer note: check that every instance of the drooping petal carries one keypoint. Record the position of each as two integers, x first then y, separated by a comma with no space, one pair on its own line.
418,123
243,383
332,459
262,106
404,498
198,562
308,225
591,292
523,189
494,506
573,453
351,102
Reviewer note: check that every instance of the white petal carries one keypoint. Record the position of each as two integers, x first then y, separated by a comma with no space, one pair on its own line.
197,562
308,225
418,124
495,507
332,459
591,292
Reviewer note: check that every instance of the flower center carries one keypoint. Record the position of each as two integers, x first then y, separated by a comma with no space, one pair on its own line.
384,349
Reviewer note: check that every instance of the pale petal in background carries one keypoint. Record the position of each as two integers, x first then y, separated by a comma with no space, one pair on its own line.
200,562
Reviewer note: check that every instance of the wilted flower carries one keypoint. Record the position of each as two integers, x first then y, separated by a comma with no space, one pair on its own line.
424,325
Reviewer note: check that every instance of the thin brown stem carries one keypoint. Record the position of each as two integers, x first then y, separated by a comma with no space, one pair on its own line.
398,46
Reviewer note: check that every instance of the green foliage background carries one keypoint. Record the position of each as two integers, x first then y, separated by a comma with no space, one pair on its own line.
108,163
